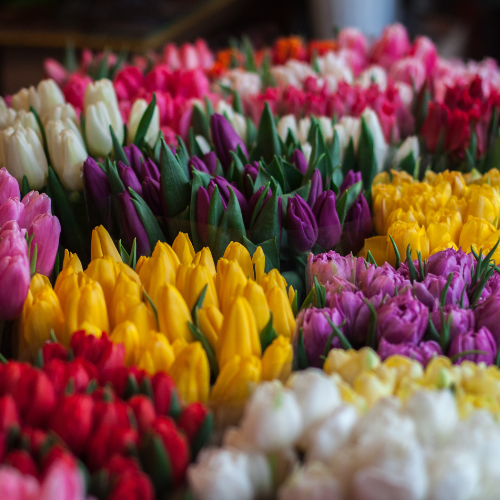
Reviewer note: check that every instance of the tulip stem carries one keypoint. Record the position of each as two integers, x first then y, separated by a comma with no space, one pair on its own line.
459,355
152,304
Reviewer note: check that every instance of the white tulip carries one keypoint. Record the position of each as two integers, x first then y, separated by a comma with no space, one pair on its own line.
333,65
244,82
373,74
352,128
203,144
224,108
260,474
325,124
272,418
292,74
50,96
240,125
220,474
63,112
7,115
21,152
67,152
379,144
303,128
27,120
406,93
25,98
313,481
307,150
286,123
136,113
409,146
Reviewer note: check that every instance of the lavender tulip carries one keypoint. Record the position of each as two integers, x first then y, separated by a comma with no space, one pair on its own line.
357,226
429,291
302,227
492,287
325,211
35,204
12,209
132,225
134,157
460,320
481,340
422,352
383,279
402,319
129,178
46,230
487,315
338,285
225,140
9,187
299,160
350,179
448,261
316,188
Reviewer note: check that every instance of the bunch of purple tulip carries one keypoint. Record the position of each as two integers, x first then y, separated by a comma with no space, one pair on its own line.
449,304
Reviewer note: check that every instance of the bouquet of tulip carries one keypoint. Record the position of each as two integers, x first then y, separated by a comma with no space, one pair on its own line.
303,439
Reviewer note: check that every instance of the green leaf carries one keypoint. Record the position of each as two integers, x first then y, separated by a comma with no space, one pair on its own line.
208,105
251,133
348,162
270,249
200,123
408,164
237,104
262,179
396,251
25,187
183,155
337,333
319,298
143,127
300,361
155,461
347,199
268,144
275,169
115,182
198,305
293,177
266,75
303,192
215,213
470,153
249,56
258,205
118,152
212,360
194,147
267,223
459,355
366,155
102,71
268,334
202,436
176,191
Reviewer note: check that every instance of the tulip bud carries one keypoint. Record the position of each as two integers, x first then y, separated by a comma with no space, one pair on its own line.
132,225
230,282
325,212
211,319
225,139
12,210
299,160
129,178
316,188
144,411
35,204
45,230
165,395
21,461
277,360
126,333
204,257
302,228
173,314
256,297
191,280
237,252
136,113
273,279
157,355
357,226
259,263
102,245
283,319
197,422
183,247
9,188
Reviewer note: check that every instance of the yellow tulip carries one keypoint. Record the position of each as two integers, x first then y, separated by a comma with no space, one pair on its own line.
256,297
229,282
236,251
375,385
160,269
102,245
259,263
439,236
104,270
381,178
235,381
475,232
126,333
273,279
38,283
127,294
401,215
438,197
283,319
350,364
204,256
277,360
157,355
191,280
239,335
484,203
384,201
66,281
404,234
71,260
211,323
91,329
405,368
492,178
377,245
191,374
141,315
291,295
472,176
140,261
458,205
183,247
173,314
85,303
454,179
445,217
400,177
178,345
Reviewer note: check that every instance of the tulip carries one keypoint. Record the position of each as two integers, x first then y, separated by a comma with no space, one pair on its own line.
230,283
204,257
173,314
45,230
21,461
325,212
126,333
183,247
46,96
383,279
259,263
251,170
430,290
448,261
252,203
283,319
422,352
384,201
299,161
316,188
301,225
273,279
256,297
239,335
196,163
391,46
22,152
144,411
480,340
136,160
483,202
350,179
211,319
148,169
12,210
405,234
159,353
191,280
9,188
277,360
132,225
287,124
191,374
325,266
102,245
224,192
408,147
225,139
475,232
237,252
196,422
96,186
402,319
459,320
152,195
136,113
129,179
234,383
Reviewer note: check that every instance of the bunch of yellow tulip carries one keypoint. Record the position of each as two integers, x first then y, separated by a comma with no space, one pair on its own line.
446,210
158,313
363,379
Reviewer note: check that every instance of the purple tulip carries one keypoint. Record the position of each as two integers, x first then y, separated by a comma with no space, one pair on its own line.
317,330
129,178
12,209
338,285
487,314
402,319
422,352
132,225
299,160
429,291
14,271
149,170
9,187
202,207
349,180
383,279
316,188
224,186
482,340
96,186
492,287
46,230
195,163
357,226
252,170
302,227
135,158
36,204
225,140
152,195
328,220
461,320
253,202
448,261
210,160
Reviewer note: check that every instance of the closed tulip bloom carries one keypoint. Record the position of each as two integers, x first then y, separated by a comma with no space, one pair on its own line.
211,320
148,170
96,186
151,190
225,189
272,279
141,315
9,188
129,178
229,282
299,161
35,204
475,232
235,382
132,225
236,251
350,179
325,211
66,281
196,163
301,225
136,113
483,202
45,230
239,333
12,209
357,226
256,297
183,247
157,354
405,234
102,245
191,374
126,295
173,314
204,256
126,333
283,319
482,340
191,280
316,188
422,352
22,153
225,139
277,360
287,123
259,263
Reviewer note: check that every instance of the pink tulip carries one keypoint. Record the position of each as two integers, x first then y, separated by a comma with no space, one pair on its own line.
205,55
74,90
171,56
189,57
424,50
352,38
34,204
55,70
128,82
46,230
391,46
9,187
158,79
12,240
12,209
409,70
17,486
62,481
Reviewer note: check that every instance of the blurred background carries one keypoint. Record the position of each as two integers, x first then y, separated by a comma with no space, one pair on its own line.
31,30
